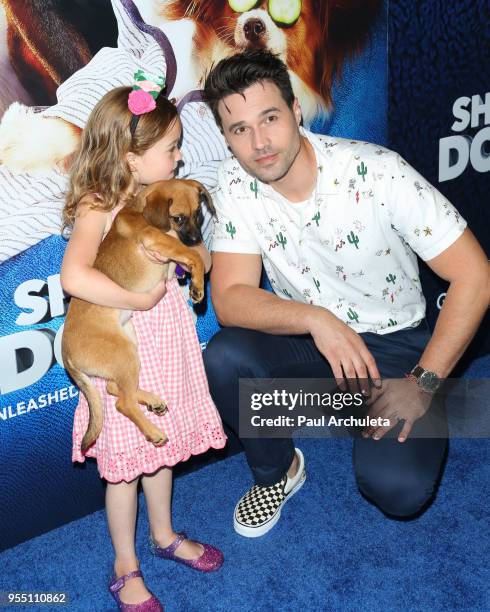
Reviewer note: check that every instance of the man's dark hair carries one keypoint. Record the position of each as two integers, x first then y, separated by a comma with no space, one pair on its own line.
236,73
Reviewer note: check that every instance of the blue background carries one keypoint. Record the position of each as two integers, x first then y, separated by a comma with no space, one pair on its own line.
438,52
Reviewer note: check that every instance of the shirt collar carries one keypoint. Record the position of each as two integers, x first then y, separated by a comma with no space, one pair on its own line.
329,170
328,164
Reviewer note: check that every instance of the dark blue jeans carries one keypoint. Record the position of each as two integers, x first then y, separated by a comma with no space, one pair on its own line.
400,478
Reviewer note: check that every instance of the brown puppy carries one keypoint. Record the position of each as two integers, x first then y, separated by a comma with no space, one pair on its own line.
100,341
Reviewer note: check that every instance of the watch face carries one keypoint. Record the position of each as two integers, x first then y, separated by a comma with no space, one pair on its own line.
429,381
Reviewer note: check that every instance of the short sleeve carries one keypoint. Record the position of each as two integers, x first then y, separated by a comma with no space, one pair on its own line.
231,233
419,213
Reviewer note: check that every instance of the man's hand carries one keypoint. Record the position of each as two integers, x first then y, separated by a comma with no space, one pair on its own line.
399,399
345,351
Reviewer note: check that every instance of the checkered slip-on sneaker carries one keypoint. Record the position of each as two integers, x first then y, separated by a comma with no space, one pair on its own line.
260,508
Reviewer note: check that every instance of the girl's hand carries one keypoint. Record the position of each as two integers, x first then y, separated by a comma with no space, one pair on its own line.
205,256
146,301
156,256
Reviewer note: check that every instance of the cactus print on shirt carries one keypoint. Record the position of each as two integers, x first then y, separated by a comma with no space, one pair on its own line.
351,247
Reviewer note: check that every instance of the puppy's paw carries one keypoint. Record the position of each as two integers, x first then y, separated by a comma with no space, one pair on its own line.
161,441
156,405
159,409
156,437
196,293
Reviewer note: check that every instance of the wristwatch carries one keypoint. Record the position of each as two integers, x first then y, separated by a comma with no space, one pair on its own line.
426,380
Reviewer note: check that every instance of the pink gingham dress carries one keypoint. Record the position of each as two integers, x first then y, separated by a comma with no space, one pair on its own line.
172,368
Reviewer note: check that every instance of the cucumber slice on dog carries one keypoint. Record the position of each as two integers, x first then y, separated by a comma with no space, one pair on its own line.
240,6
285,11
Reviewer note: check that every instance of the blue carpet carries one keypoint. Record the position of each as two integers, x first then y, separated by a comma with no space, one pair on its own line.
331,550
478,368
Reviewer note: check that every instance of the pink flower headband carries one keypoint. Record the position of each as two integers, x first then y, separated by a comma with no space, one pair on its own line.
142,99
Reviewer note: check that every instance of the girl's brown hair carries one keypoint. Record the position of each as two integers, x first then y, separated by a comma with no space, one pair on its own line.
99,165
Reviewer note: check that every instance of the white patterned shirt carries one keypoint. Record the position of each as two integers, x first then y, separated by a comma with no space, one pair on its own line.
351,247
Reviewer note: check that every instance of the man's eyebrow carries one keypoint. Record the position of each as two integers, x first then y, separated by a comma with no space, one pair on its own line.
235,125
264,112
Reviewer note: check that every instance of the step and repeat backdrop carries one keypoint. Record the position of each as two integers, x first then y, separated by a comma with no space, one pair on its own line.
439,115
40,488
413,76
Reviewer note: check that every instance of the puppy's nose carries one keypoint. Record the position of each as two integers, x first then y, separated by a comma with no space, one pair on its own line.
190,238
254,29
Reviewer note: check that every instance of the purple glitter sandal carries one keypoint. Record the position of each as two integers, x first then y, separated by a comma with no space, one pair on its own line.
150,605
210,560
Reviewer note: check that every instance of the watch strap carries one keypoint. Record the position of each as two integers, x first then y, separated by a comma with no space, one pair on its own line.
417,374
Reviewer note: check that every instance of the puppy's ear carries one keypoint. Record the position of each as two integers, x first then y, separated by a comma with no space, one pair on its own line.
204,193
156,209
209,201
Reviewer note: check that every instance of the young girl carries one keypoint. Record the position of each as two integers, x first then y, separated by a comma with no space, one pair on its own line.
122,150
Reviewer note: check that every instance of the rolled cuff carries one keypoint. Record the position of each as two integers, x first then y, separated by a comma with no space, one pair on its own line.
228,246
446,241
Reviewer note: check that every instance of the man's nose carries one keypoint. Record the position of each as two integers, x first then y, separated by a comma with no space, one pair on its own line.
259,139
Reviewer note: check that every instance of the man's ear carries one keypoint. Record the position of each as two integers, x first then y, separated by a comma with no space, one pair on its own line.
297,111
156,209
